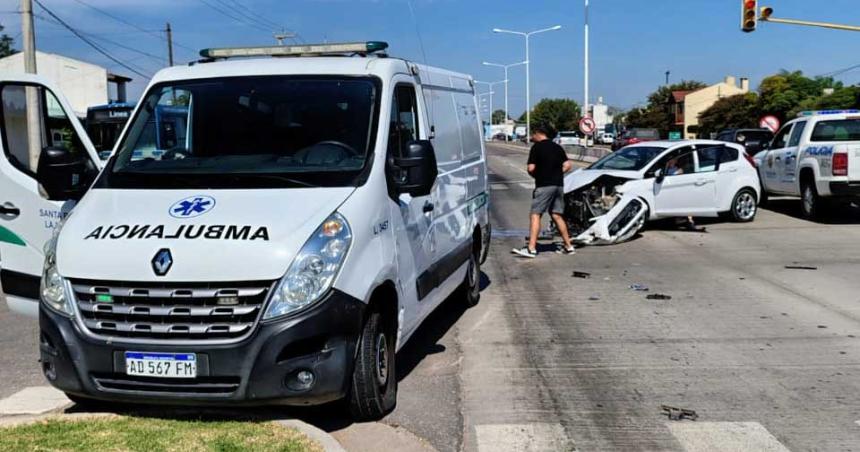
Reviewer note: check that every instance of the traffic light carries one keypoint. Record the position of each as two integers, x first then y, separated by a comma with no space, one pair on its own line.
766,12
749,15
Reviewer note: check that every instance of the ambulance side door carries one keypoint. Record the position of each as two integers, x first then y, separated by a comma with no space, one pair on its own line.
47,160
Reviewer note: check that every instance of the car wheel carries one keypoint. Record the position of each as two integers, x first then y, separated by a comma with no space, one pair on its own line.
811,204
471,288
373,392
744,206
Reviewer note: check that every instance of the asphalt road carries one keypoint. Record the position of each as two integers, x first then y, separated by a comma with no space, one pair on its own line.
551,362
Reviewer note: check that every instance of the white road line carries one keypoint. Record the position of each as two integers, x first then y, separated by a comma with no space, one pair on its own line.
526,186
522,438
33,400
724,436
499,187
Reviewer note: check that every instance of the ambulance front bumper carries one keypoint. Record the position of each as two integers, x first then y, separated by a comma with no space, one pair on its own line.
261,369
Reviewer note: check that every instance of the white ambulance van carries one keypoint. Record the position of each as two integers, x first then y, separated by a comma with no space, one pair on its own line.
275,240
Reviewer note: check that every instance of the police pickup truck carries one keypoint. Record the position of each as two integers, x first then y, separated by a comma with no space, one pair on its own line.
816,157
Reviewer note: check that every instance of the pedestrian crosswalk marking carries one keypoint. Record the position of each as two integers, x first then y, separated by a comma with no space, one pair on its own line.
522,438
722,436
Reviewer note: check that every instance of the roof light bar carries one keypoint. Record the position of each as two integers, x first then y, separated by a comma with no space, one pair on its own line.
827,112
297,50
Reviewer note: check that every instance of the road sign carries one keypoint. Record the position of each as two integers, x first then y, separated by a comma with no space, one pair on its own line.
674,136
769,122
587,125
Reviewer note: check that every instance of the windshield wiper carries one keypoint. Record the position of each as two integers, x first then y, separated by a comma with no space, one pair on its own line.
273,177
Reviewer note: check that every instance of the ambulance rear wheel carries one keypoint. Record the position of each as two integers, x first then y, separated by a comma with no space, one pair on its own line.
373,390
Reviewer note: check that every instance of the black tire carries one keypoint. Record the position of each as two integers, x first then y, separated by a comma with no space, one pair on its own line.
811,204
744,206
373,391
470,290
763,200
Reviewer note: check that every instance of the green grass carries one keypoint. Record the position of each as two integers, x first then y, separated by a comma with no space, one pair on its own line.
120,433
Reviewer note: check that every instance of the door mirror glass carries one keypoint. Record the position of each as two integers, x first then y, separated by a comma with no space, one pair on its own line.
36,127
416,168
64,174
659,176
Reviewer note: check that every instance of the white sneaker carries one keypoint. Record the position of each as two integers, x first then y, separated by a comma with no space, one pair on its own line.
525,252
566,251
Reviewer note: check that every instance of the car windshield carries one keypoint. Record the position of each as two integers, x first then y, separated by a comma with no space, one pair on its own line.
628,159
249,131
840,130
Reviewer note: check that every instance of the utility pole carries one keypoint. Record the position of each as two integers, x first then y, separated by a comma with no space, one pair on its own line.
29,36
34,109
585,104
169,45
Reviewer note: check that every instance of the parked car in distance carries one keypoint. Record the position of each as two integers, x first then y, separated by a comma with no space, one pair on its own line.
634,136
754,140
568,139
607,138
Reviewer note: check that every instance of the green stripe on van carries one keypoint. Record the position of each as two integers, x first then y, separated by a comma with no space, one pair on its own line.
7,236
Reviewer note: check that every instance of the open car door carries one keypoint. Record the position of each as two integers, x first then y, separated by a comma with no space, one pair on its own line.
39,134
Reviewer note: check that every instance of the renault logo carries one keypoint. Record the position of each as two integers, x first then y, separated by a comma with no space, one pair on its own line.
162,262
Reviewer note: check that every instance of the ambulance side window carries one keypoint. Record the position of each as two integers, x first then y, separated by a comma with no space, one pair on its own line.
33,120
403,126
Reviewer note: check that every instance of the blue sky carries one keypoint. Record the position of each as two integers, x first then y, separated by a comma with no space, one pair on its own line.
633,41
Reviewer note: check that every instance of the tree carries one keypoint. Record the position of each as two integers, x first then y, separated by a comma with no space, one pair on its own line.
560,114
499,117
737,111
6,44
658,114
783,94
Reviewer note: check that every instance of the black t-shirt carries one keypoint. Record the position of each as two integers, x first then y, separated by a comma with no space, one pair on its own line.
548,159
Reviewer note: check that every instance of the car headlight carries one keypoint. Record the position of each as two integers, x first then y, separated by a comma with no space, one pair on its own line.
53,287
314,268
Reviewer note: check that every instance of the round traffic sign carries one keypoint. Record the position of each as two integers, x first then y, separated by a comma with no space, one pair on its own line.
769,122
587,125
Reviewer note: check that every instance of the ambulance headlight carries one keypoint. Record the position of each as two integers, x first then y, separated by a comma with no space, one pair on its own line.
53,287
313,270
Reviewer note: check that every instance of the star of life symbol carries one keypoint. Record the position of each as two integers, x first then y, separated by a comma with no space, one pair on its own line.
193,206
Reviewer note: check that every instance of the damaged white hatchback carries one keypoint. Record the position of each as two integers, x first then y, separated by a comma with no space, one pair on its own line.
610,201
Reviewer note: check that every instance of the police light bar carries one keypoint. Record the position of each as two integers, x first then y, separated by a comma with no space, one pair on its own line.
827,112
297,50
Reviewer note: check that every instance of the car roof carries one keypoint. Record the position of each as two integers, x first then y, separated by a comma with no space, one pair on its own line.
677,143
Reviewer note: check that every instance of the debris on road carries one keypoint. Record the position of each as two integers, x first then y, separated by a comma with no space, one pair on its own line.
800,267
679,414
594,298
658,296
583,275
639,287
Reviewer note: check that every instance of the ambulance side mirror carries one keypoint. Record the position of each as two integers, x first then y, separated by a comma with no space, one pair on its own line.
417,168
64,174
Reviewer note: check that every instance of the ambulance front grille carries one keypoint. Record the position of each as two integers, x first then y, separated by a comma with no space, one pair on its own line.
181,311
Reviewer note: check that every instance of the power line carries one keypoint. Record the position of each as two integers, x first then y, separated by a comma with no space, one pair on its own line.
233,16
103,39
243,11
156,34
90,43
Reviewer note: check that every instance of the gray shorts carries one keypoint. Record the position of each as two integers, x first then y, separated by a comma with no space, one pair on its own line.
548,200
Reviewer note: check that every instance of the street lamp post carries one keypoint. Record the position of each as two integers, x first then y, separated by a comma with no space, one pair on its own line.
527,35
490,87
506,67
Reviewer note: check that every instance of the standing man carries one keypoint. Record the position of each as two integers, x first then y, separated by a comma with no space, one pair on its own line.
547,164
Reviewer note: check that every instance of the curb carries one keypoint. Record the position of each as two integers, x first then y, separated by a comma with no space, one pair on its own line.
328,443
